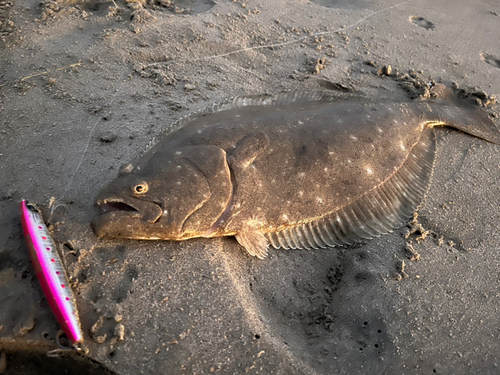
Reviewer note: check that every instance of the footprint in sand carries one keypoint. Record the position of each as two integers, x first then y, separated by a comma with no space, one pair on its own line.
340,3
97,7
490,59
422,22
187,6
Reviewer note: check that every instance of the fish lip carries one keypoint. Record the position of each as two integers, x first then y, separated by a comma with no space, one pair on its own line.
140,209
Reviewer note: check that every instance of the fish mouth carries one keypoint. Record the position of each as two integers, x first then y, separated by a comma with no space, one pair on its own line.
110,206
121,211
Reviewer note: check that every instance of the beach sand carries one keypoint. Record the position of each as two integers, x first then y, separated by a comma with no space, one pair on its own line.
85,85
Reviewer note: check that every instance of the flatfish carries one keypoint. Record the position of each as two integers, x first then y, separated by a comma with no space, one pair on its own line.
294,171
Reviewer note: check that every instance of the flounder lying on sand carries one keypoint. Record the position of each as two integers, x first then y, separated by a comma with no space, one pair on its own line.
294,171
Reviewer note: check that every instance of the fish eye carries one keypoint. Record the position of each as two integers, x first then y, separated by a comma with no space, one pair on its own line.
140,188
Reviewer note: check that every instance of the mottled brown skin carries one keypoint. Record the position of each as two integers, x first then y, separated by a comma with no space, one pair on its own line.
259,169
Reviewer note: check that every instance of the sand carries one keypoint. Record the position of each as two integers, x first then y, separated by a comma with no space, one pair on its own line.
84,86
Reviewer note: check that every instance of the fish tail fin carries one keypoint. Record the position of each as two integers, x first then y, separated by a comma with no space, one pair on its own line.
464,116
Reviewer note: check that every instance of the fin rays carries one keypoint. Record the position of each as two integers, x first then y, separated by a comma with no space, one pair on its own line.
379,211
254,242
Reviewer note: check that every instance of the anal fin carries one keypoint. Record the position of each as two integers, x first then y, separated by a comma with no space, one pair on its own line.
254,242
379,211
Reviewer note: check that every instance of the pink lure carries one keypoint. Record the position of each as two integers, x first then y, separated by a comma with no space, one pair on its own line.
50,271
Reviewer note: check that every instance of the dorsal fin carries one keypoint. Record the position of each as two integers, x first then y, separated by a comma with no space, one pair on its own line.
381,210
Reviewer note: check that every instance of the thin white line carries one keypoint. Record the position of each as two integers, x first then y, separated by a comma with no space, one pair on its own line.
54,206
295,40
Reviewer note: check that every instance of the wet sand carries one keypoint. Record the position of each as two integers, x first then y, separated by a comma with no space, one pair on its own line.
84,86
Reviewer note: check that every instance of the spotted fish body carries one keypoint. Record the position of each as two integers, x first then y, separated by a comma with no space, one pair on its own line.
300,172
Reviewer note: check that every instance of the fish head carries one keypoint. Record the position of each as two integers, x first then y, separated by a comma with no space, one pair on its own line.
171,194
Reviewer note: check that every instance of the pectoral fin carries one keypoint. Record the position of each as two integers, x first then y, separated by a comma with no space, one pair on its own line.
249,148
254,242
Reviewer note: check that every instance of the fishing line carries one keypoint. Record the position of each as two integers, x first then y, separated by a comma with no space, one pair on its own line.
305,37
295,40
53,202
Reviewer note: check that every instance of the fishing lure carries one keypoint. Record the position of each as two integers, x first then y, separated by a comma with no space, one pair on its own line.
50,271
